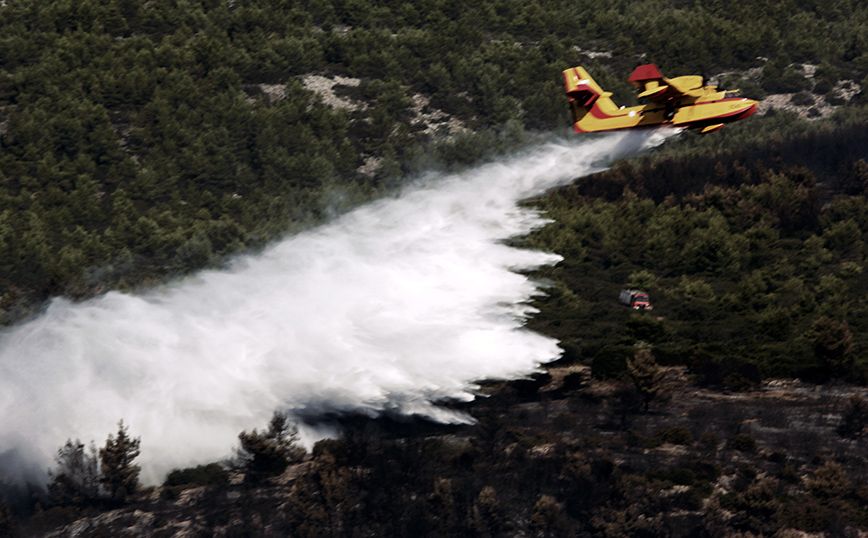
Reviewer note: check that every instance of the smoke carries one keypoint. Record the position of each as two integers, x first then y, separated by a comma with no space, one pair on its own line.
390,307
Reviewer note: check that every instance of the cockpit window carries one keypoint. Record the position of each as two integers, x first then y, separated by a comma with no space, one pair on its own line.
731,94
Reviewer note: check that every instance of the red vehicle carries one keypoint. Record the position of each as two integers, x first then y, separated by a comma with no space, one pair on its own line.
635,299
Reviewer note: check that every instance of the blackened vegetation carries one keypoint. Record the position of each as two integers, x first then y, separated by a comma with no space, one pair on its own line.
833,158
560,462
85,482
267,454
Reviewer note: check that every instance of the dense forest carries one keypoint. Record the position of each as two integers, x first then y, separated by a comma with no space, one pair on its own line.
142,140
747,254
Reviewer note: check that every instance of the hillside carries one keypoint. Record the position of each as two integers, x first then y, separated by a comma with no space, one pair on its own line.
549,458
144,140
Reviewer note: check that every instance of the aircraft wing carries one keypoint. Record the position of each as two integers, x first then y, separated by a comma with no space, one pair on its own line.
658,89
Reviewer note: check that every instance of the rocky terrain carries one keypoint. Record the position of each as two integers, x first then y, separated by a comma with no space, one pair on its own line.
701,462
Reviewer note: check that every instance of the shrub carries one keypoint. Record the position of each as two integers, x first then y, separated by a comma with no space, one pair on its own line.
647,377
268,454
802,99
212,474
823,86
610,362
744,442
835,99
733,373
708,439
829,482
677,435
854,418
682,477
76,480
636,439
645,327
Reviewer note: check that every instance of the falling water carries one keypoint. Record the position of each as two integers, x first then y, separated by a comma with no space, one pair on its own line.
393,306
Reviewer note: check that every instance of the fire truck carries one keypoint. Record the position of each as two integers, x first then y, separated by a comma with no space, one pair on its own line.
635,299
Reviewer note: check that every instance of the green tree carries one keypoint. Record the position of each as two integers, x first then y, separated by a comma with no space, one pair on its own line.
833,345
120,477
76,481
268,454
644,280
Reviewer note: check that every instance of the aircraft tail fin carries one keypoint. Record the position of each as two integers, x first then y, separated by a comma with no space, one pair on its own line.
581,88
585,94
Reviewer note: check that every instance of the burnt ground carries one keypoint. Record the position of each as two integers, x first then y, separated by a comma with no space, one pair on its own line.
727,446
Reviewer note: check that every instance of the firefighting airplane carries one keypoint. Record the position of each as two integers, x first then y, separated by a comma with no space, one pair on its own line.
679,102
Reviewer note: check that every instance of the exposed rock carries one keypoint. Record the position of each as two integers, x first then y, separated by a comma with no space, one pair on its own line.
274,92
324,87
372,164
843,91
434,119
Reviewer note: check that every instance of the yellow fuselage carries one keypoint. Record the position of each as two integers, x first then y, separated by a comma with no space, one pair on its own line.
679,102
707,110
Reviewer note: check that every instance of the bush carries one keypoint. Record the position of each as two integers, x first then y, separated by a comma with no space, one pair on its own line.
212,474
636,439
645,327
708,439
854,419
835,99
76,480
682,477
677,435
833,345
268,454
802,99
744,442
823,86
610,362
730,372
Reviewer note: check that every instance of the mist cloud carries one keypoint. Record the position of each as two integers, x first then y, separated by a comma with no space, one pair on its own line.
397,304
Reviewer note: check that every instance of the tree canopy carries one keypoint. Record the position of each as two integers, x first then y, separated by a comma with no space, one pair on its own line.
139,139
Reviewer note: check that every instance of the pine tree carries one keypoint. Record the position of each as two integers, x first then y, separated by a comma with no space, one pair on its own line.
76,480
120,477
270,453
833,345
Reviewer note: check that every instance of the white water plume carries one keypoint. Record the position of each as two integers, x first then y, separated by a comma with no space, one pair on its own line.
397,304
